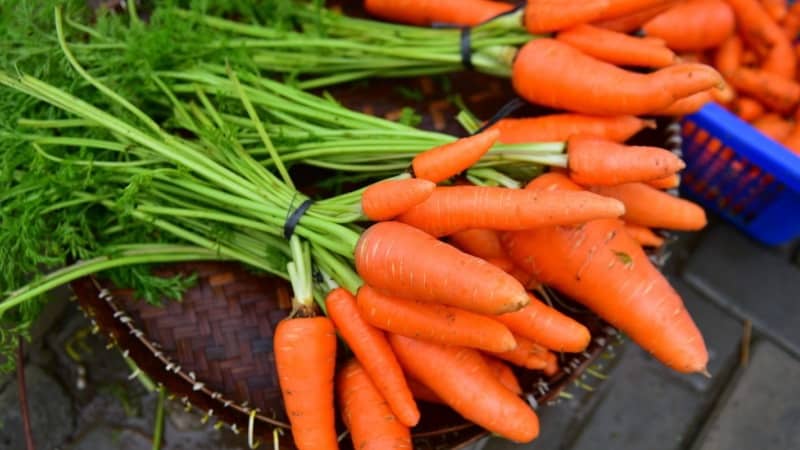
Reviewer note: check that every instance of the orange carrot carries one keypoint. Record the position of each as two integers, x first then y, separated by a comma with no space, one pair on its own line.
428,12
371,348
689,105
757,27
551,364
305,358
403,261
594,161
559,127
749,58
443,162
457,208
617,48
525,278
546,16
774,126
554,74
599,265
747,108
547,326
791,23
693,25
527,354
366,414
390,198
777,9
461,377
504,374
650,207
433,322
772,90
781,60
422,392
792,141
479,242
728,57
634,21
644,236
670,182
621,8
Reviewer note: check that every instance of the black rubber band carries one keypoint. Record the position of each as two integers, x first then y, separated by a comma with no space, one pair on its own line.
294,218
511,106
466,48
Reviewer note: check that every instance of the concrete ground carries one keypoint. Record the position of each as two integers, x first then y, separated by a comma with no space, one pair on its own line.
81,396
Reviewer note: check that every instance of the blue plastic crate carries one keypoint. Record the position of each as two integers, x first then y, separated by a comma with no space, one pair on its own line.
742,175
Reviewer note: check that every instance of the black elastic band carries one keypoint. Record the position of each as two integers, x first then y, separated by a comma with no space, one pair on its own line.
466,48
511,106
294,218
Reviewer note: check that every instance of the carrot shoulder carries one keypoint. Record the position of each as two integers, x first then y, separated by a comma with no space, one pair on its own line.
370,346
403,261
461,377
433,322
305,358
366,414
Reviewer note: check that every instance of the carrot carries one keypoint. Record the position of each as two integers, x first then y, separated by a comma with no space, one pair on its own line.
366,414
756,26
305,358
551,364
479,242
559,127
547,326
443,162
389,198
554,74
774,126
781,60
791,23
527,354
594,161
747,108
461,377
773,91
749,58
633,21
650,207
403,261
433,322
689,105
422,392
525,278
372,349
428,12
457,208
728,57
777,9
546,16
792,141
504,374
693,25
670,182
621,8
617,48
644,236
601,266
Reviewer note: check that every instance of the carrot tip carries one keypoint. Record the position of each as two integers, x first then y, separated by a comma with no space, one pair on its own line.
705,372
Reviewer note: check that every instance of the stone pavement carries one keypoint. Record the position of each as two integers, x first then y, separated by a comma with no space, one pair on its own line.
81,397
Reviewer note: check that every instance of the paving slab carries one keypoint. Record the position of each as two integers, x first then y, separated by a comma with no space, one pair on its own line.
751,281
762,408
643,404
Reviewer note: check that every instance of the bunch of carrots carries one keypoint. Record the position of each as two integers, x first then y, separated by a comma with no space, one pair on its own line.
467,301
752,43
431,277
